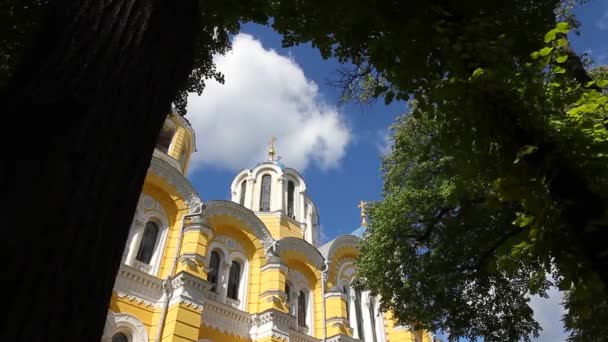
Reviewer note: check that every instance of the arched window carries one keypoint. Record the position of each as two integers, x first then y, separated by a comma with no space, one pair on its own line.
302,309
290,193
243,189
166,136
288,293
359,313
120,337
234,280
372,316
214,265
183,155
265,196
148,241
345,291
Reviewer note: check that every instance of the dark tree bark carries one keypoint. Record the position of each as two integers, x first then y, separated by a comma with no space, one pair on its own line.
89,100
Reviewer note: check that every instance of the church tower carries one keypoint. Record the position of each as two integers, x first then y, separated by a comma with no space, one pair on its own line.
277,195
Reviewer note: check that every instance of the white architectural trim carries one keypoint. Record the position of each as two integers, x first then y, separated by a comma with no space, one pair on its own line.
339,242
125,323
294,244
148,210
252,222
178,181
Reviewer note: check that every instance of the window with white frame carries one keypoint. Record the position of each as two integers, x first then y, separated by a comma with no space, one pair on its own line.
214,270
120,337
144,247
291,188
359,314
243,191
265,193
148,243
302,304
301,299
234,280
228,271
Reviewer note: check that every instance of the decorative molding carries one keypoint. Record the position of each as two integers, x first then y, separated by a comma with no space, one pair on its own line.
278,265
197,224
339,242
230,243
122,322
188,290
138,286
296,336
334,293
297,280
193,259
226,319
294,244
342,338
175,178
227,208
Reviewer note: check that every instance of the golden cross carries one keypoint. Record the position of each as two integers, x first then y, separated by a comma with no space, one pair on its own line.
271,148
363,214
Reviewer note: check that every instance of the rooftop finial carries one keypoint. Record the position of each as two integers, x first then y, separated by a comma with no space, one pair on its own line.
363,214
271,148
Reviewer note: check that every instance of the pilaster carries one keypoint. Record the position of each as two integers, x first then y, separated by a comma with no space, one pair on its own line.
272,288
193,251
182,322
336,314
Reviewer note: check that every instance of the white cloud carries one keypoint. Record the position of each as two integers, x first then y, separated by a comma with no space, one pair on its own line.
602,24
385,143
548,313
265,95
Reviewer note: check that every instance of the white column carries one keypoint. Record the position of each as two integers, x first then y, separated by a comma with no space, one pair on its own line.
249,193
223,283
133,244
353,313
279,195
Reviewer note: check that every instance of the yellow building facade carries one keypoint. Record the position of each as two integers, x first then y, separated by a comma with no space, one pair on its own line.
249,269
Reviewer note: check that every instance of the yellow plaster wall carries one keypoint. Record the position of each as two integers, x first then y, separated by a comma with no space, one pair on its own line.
147,315
182,323
209,333
291,228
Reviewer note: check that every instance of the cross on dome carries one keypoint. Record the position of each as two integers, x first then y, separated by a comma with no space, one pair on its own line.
271,151
362,205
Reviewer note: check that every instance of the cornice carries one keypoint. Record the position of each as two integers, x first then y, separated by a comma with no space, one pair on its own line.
177,180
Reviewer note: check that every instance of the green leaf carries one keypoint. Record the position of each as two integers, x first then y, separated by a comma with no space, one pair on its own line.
558,70
560,42
478,72
545,51
561,59
534,55
562,27
601,83
550,36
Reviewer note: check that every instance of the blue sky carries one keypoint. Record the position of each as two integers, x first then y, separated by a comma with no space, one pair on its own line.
272,91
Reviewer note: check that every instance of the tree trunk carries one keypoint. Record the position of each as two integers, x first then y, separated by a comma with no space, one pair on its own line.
87,102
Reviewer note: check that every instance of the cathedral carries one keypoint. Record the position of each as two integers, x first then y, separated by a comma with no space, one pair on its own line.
248,269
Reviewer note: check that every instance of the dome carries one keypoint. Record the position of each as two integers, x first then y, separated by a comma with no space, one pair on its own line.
271,188
359,232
